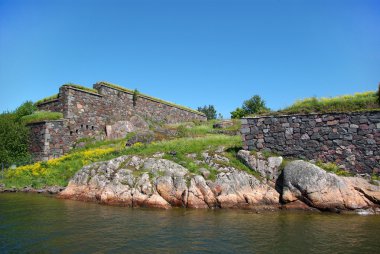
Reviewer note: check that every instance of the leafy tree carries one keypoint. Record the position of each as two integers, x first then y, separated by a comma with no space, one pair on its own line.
238,113
254,105
209,111
378,95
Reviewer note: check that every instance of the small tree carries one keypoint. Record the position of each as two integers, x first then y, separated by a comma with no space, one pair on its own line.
254,105
238,113
209,111
135,97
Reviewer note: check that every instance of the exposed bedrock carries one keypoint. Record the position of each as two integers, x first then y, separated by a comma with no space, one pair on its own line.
134,181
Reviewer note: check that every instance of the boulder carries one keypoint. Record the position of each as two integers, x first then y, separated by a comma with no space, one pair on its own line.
144,137
317,188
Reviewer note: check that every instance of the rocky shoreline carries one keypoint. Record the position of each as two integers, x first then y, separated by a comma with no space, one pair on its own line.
135,181
47,190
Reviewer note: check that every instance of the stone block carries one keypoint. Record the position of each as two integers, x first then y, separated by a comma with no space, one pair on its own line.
245,130
332,122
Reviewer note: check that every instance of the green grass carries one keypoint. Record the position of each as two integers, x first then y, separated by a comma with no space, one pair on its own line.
120,88
59,171
39,116
47,99
357,102
200,129
333,168
91,90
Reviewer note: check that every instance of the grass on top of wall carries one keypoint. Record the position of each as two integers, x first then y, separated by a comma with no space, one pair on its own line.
345,103
87,89
47,99
150,97
39,116
59,171
367,101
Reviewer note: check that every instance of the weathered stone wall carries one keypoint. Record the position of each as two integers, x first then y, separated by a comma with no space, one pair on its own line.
85,111
120,106
98,114
351,140
49,139
53,105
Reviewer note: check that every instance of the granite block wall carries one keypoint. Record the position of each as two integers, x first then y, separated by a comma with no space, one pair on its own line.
52,105
89,114
351,140
48,140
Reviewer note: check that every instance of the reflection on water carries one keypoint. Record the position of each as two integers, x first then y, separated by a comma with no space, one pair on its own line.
34,224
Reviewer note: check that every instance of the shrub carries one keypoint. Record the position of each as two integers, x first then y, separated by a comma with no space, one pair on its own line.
27,108
378,95
14,137
209,111
135,97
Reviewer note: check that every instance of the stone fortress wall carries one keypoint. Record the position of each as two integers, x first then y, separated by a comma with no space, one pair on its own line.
96,113
351,140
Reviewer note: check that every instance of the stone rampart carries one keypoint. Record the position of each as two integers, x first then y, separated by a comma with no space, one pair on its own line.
91,113
351,140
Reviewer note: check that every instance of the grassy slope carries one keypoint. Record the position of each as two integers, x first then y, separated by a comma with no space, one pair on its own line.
195,139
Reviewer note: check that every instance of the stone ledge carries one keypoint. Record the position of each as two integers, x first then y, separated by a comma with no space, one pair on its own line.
82,90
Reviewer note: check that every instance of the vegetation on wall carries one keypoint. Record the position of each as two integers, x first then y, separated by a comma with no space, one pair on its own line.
255,105
209,111
47,99
39,116
345,103
91,90
135,97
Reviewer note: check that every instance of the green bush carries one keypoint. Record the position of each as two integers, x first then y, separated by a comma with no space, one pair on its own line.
238,113
27,108
39,116
14,140
378,95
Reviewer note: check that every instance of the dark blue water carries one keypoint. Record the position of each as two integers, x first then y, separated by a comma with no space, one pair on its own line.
31,223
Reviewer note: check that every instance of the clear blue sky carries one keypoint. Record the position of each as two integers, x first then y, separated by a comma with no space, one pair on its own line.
191,52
